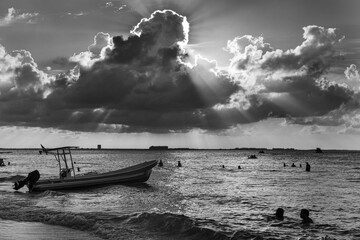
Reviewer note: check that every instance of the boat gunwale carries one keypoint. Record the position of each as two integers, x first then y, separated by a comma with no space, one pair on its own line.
121,175
139,177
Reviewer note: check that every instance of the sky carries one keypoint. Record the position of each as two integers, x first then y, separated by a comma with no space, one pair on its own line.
189,73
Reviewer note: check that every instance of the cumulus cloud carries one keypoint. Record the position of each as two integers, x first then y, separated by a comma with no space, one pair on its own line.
22,87
148,81
96,51
138,83
13,16
282,83
141,83
352,73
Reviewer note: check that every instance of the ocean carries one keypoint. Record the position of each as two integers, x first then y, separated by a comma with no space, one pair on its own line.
209,197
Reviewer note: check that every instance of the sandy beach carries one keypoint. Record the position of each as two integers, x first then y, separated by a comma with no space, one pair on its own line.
11,230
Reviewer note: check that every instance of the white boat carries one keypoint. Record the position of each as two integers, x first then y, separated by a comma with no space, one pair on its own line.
68,178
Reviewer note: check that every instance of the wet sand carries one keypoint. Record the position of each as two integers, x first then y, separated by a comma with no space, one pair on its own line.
11,230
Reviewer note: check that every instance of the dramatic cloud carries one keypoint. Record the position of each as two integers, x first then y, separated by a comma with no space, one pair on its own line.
136,84
148,81
22,87
13,16
141,84
287,83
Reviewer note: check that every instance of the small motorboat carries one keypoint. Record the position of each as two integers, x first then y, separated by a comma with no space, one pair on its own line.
68,179
318,150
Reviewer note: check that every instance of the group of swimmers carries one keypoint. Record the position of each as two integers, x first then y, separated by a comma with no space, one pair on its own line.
307,168
304,215
161,164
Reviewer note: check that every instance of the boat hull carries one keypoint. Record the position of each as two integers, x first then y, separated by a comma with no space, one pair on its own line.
134,174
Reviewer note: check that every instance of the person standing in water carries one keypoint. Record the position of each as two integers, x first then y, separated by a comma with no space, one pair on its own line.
307,167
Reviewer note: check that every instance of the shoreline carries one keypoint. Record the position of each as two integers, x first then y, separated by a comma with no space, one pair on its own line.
13,230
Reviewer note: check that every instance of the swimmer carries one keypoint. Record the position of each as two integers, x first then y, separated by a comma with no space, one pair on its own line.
179,164
239,167
307,167
223,166
279,215
161,163
293,165
304,214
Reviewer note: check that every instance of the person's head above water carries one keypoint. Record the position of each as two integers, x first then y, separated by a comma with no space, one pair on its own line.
304,214
279,214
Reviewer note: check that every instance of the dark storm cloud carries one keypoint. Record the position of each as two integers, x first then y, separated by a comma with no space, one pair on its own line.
347,115
139,83
149,82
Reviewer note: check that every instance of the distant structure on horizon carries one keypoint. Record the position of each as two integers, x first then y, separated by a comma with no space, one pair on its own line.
99,147
158,147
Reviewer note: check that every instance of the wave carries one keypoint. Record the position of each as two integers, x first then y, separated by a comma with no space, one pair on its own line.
140,225
353,179
174,224
50,193
145,225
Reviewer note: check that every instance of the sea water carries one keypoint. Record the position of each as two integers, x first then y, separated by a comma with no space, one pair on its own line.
209,197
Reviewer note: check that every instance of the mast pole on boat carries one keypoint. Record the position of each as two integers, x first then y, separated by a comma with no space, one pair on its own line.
64,158
72,163
57,157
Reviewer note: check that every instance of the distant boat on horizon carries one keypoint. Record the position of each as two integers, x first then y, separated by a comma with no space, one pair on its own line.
318,150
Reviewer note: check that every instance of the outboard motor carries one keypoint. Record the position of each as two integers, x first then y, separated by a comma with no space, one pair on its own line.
31,179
